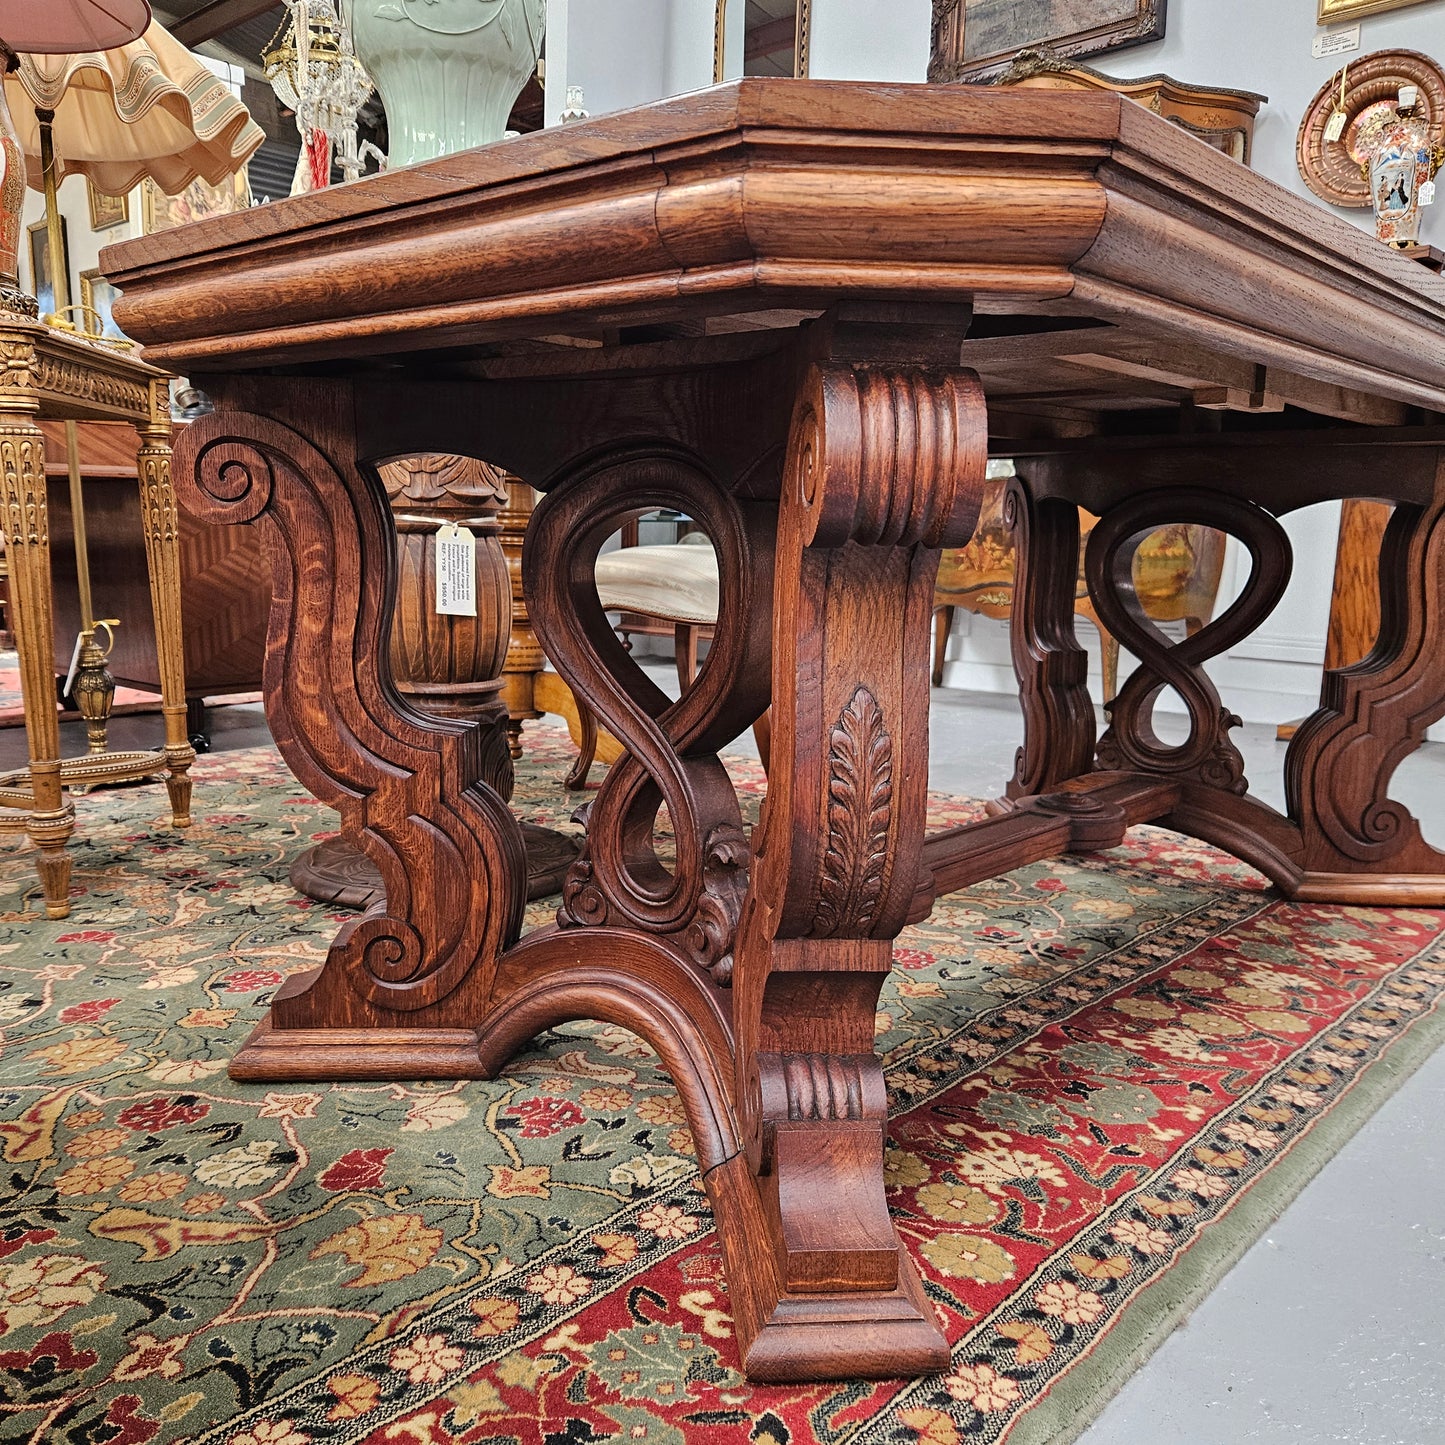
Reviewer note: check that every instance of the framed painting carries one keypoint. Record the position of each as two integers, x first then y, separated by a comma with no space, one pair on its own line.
761,37
1332,12
42,278
97,295
975,40
106,211
160,212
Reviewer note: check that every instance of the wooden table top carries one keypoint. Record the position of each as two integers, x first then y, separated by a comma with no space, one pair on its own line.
1114,262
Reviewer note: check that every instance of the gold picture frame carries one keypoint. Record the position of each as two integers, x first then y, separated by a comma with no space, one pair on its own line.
97,298
978,40
1332,12
106,211
160,212
802,34
42,281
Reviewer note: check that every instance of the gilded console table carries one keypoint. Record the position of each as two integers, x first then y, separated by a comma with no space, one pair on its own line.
55,376
802,313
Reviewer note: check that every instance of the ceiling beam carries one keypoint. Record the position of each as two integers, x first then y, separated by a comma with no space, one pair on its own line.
218,16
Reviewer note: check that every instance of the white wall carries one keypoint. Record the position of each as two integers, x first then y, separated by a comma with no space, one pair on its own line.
865,40
1265,47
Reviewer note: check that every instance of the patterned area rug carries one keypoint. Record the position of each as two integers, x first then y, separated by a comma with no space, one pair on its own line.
1108,1074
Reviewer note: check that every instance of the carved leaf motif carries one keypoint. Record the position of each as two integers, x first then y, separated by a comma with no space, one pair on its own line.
860,804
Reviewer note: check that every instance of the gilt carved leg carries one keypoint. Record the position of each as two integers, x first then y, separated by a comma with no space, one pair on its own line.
163,563
405,987
885,466
1359,844
51,816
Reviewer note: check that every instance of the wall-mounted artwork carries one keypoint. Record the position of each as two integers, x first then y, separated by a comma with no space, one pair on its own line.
106,211
159,212
1331,12
42,278
761,37
976,39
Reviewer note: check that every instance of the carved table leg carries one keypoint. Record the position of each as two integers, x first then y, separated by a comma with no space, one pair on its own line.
1359,844
403,989
51,816
1052,669
163,563
885,466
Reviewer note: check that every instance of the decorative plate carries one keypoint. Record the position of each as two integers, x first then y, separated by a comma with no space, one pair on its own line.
1332,169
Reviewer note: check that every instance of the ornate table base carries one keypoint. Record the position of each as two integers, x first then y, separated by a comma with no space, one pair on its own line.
827,483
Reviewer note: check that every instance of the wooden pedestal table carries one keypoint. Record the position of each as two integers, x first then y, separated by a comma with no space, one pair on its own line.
449,666
51,375
800,313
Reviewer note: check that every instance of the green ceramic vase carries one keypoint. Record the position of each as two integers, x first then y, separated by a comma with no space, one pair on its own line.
448,71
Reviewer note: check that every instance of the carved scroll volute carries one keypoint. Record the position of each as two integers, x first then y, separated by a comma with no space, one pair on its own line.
885,467
1373,715
406,786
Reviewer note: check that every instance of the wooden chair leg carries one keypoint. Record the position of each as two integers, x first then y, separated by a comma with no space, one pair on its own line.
763,736
1109,646
684,643
586,749
942,628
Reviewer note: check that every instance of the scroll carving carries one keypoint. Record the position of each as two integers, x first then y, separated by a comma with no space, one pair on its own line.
812,1088
1374,714
696,899
406,785
860,807
1130,744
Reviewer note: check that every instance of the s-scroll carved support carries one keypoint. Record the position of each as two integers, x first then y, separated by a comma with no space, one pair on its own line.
402,989
1207,755
694,899
885,466
1360,843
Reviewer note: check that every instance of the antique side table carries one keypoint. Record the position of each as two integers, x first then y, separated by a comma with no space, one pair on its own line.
802,313
49,374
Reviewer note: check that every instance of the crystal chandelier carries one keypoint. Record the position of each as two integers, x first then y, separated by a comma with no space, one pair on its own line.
314,71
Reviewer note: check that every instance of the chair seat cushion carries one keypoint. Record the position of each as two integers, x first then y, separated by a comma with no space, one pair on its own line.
674,584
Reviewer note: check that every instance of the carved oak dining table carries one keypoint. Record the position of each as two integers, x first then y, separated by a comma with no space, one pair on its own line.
805,314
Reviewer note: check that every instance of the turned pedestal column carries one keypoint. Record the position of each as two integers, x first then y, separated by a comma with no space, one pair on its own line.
452,666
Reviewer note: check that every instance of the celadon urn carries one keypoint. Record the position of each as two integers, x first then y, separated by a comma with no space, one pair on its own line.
448,71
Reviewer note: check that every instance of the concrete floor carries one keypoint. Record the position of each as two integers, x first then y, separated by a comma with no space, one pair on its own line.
1331,1329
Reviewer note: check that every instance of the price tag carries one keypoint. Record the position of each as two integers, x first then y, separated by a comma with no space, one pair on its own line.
1427,193
456,572
1336,42
1335,128
74,665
